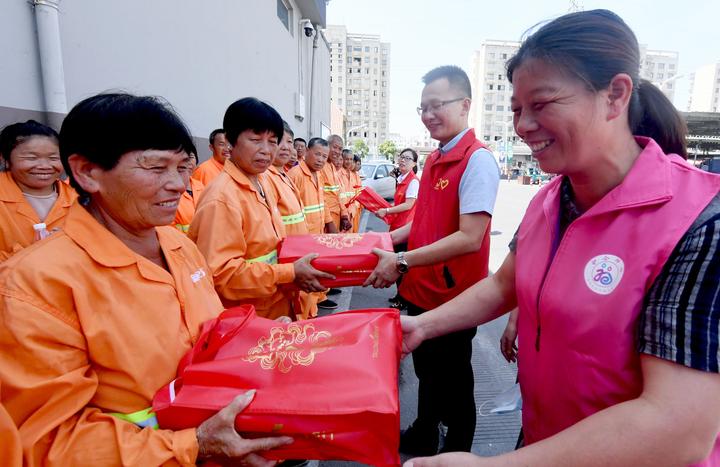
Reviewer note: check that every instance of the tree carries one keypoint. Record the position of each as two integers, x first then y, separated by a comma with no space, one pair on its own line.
387,149
360,148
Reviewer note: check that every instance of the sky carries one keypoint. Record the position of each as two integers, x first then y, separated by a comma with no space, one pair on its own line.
424,34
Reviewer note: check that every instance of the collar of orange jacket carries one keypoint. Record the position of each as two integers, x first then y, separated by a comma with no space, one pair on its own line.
101,244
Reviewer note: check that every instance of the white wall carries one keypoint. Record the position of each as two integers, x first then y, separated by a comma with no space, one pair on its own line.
199,55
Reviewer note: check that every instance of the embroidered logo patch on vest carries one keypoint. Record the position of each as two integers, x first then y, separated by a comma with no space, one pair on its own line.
442,183
603,273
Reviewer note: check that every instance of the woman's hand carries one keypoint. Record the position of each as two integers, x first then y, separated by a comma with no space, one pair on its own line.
218,440
381,213
508,345
412,336
307,277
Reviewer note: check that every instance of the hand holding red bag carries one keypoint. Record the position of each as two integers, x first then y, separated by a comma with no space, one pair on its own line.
329,383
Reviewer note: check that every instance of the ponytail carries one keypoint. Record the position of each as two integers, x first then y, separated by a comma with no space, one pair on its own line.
653,115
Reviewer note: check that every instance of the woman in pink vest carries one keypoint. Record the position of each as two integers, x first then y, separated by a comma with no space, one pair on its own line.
615,268
403,208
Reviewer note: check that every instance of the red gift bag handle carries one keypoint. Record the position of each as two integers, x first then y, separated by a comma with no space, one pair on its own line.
211,339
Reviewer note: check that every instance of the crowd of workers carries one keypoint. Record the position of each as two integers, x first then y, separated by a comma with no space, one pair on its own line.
613,273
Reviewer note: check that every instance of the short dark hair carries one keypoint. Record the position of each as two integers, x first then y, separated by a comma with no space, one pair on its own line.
253,114
317,141
16,133
300,139
346,151
455,76
218,131
104,127
356,158
335,137
288,130
594,46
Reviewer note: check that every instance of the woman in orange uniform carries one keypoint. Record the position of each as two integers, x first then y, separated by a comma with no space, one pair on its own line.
291,212
31,193
238,226
96,317
189,201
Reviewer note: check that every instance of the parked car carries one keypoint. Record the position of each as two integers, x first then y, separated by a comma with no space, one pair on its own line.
376,175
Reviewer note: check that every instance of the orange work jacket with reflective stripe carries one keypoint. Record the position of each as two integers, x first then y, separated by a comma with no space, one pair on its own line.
312,196
331,186
17,216
239,231
187,205
356,184
91,328
288,202
208,171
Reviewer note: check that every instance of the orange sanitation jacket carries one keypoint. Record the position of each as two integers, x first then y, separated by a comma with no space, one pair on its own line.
288,202
293,217
10,447
330,180
312,196
238,231
356,184
91,330
187,205
17,216
208,171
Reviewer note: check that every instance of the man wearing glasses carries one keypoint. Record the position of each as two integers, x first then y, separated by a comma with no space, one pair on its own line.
448,250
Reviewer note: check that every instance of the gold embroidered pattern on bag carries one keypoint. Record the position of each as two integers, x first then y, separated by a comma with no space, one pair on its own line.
288,347
338,241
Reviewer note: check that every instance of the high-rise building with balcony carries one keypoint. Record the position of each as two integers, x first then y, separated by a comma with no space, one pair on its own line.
360,85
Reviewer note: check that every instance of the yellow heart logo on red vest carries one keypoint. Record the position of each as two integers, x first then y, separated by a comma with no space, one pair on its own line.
442,184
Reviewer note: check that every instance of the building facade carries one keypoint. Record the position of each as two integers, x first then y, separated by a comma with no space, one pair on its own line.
705,89
360,85
199,56
661,68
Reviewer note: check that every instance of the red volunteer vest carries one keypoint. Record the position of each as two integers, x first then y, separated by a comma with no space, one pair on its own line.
579,309
405,216
437,215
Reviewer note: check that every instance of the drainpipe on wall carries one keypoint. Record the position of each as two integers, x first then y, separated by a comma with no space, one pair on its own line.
51,63
313,131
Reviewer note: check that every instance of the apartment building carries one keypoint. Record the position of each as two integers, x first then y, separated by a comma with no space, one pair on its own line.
705,89
360,85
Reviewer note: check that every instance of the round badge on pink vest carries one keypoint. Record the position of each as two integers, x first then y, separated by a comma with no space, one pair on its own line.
603,273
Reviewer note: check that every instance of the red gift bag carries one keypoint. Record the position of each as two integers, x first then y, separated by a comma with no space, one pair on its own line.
372,201
329,383
347,256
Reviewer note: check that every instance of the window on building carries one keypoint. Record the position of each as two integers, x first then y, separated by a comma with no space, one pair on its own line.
500,87
660,76
349,60
672,66
491,54
358,70
489,75
376,50
284,12
661,66
488,107
384,84
358,60
374,82
357,49
383,94
330,67
349,48
500,108
367,49
490,87
375,60
349,70
486,137
339,101
504,56
384,51
383,73
349,92
500,77
374,93
367,71
331,79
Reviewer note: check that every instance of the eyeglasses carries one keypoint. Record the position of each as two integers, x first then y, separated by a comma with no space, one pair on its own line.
405,158
436,106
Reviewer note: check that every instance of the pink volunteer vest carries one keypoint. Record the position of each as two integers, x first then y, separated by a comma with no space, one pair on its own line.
579,310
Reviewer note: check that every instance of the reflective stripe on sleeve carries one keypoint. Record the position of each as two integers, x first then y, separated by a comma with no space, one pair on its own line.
270,258
314,208
142,418
293,218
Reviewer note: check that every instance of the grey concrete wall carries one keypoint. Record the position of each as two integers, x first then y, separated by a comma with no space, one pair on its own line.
200,56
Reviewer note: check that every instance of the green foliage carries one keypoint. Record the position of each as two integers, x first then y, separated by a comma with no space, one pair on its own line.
360,148
388,149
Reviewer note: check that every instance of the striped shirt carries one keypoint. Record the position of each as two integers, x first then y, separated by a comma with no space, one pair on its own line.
680,320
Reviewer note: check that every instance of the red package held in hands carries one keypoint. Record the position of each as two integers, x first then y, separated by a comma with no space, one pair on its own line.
330,383
348,257
372,201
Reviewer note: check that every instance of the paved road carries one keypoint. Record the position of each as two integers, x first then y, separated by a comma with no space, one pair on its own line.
494,434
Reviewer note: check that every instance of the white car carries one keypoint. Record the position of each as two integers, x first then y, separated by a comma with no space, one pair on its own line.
376,175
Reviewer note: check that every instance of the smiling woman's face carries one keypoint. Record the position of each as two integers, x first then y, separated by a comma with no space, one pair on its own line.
35,165
143,190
